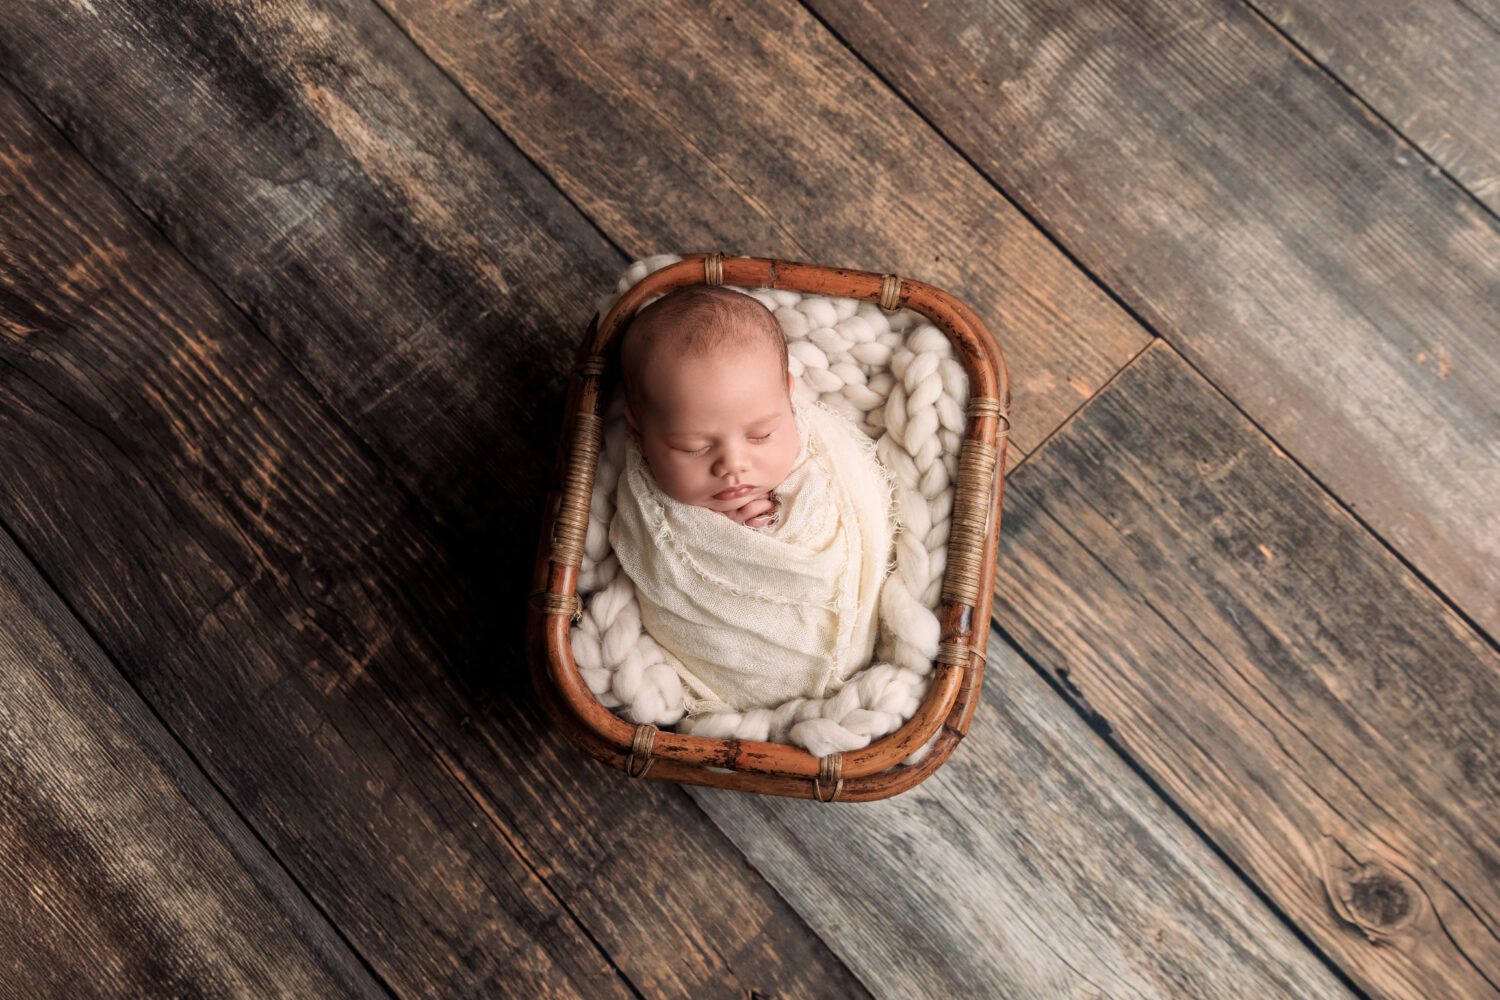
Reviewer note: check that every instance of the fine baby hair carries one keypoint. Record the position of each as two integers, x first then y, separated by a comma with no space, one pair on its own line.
690,321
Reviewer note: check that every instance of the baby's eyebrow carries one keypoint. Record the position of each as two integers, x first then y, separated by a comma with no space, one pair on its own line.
753,423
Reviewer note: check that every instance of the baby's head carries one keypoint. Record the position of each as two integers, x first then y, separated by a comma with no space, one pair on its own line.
708,393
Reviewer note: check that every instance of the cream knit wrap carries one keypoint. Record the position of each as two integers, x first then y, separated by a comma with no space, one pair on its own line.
758,616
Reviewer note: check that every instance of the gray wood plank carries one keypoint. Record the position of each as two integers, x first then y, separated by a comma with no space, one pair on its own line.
305,626
1035,863
1315,709
1431,69
1259,219
122,871
764,136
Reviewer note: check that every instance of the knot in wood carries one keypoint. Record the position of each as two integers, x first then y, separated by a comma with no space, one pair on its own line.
1372,895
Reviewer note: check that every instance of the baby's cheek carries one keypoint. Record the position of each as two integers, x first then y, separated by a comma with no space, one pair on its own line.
787,458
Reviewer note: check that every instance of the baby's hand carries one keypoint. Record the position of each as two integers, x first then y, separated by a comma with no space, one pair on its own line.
755,514
761,520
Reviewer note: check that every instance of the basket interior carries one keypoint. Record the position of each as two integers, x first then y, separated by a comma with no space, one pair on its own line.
895,376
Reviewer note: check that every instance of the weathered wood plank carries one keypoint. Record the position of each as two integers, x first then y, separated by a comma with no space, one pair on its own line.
1316,710
763,135
1034,864
1259,219
1431,69
221,536
332,222
354,205
236,282
122,871
302,623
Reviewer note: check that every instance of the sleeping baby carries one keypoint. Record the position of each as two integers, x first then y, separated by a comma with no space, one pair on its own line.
756,528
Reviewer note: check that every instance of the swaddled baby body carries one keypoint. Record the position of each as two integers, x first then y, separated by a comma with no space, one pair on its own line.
757,530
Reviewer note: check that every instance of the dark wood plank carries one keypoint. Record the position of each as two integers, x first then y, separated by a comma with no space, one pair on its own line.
223,538
763,135
1315,709
332,217
1431,69
1034,864
297,312
1258,218
433,285
303,624
122,871
355,206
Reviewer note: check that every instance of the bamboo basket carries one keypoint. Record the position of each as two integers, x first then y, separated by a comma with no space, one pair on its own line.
872,772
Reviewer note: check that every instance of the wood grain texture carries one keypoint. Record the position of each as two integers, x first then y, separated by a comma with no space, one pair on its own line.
414,268
226,542
421,275
122,871
762,135
1259,219
302,622
1308,702
1431,69
1033,864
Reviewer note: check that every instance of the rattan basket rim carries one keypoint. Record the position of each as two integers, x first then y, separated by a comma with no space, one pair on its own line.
871,772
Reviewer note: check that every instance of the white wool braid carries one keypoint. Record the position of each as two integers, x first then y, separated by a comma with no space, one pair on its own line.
896,377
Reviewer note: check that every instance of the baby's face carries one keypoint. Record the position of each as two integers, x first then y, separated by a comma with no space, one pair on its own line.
719,422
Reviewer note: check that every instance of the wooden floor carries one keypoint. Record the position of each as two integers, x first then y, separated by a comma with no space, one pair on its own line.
288,292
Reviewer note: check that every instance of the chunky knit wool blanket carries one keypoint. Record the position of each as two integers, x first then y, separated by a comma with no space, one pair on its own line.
895,378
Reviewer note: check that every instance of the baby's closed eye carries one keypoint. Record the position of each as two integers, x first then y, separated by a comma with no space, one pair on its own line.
698,451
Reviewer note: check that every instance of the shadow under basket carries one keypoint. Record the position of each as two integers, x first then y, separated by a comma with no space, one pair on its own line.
872,772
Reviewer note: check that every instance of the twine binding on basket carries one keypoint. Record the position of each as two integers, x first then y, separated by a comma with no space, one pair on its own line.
549,603
972,498
954,651
641,745
572,526
890,293
590,367
713,269
988,406
831,770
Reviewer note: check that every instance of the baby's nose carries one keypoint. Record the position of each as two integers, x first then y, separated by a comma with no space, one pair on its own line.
733,461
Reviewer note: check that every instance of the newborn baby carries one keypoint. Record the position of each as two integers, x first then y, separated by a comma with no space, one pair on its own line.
757,530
